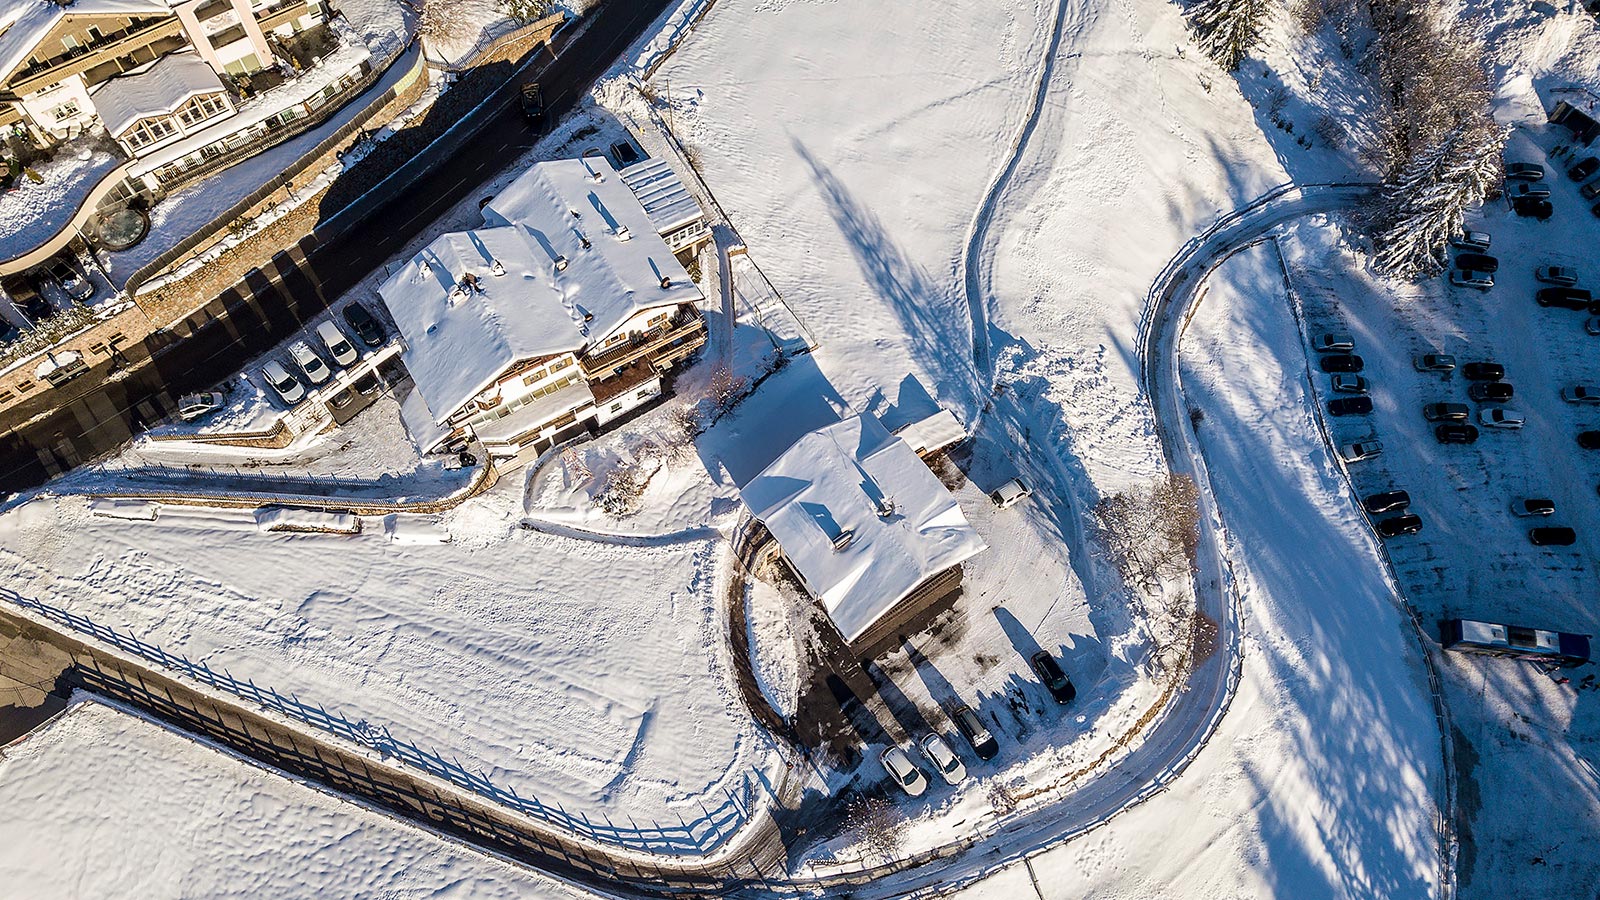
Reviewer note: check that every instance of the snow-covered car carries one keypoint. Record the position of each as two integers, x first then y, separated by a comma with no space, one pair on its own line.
309,362
1355,451
943,759
1333,343
287,386
1471,240
1498,417
1434,362
1010,494
905,774
1566,276
1580,393
1528,190
1349,384
1468,278
193,406
971,728
1524,171
338,346
1533,506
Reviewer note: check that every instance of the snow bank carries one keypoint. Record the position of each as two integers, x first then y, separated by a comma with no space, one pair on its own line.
309,521
132,510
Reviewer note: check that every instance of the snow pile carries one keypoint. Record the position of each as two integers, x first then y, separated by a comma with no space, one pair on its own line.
385,26
306,521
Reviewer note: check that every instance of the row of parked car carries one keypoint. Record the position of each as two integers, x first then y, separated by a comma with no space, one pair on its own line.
311,366
905,773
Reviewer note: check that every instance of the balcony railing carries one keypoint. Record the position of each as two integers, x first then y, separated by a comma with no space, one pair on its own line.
690,329
119,43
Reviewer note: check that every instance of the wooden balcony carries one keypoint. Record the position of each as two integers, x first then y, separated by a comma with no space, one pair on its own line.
122,43
677,340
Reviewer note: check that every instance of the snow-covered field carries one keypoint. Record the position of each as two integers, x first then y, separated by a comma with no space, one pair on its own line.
102,803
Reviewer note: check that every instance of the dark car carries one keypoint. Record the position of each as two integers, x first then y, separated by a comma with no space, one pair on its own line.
1585,167
1477,262
365,325
1406,524
971,728
1552,536
533,103
1533,208
1484,371
1349,406
1490,392
1455,433
1589,440
71,278
1590,190
1563,297
1446,412
1341,362
1388,501
1525,170
1050,673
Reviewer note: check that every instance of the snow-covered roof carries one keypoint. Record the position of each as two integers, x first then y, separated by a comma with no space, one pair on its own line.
932,434
824,500
159,90
24,23
456,346
659,189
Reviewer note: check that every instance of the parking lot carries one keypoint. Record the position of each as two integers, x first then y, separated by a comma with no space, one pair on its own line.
1473,558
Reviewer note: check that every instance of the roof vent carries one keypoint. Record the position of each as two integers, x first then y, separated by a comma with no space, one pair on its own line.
599,176
843,539
425,269
457,294
623,234
497,267
561,264
575,213
666,283
588,316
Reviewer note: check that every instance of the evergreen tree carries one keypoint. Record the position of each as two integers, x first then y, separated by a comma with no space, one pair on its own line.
1427,201
1227,30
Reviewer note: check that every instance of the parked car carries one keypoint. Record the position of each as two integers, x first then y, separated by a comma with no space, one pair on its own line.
1552,536
1584,168
1484,371
1388,501
365,325
1592,325
1055,680
1333,343
194,406
1528,190
337,345
1349,384
971,728
35,308
533,103
1524,171
1468,278
1355,451
1580,393
1500,417
1566,276
1533,506
1589,440
1010,494
1406,524
1434,362
287,386
1341,362
1533,208
70,277
1563,297
1455,433
1490,392
1471,240
1477,262
1350,406
906,775
1446,412
1590,190
309,362
944,760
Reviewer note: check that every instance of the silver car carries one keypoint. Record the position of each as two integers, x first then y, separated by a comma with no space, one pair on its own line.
944,760
287,386
338,346
309,362
1566,276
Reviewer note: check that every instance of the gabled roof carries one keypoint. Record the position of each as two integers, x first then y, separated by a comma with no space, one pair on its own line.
863,520
159,90
459,343
24,23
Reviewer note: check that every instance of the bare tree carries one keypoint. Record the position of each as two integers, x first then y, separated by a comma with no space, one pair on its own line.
623,492
1151,533
875,824
725,388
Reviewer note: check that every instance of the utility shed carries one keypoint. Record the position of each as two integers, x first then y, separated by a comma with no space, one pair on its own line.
937,432
1583,127
861,519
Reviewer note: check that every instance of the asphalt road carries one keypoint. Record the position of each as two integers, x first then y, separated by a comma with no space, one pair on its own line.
99,411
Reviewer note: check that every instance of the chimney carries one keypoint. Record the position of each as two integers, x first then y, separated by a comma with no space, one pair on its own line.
425,269
666,283
843,539
623,234
561,264
497,267
885,507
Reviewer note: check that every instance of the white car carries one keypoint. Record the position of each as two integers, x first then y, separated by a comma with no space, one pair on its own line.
1579,393
1010,493
338,346
1500,418
944,760
1565,276
287,386
1356,451
1471,240
1468,278
193,406
309,362
905,774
